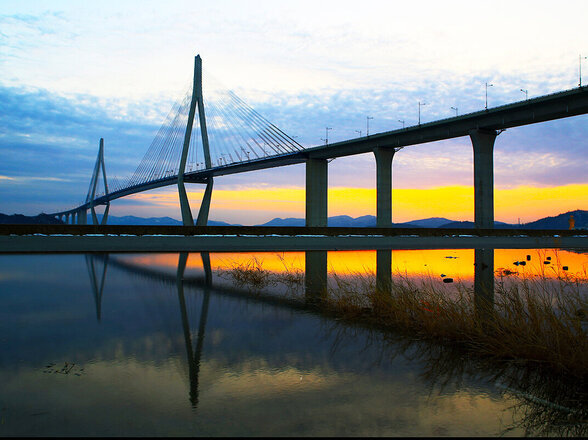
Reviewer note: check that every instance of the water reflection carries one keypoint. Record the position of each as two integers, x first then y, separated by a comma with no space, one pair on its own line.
484,283
193,355
315,279
384,270
97,286
158,341
543,403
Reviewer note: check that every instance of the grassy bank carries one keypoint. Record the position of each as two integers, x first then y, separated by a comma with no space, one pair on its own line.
526,318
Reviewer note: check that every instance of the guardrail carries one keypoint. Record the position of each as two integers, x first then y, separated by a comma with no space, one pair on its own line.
140,230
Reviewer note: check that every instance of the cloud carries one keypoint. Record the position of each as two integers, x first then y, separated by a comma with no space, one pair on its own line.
54,138
73,75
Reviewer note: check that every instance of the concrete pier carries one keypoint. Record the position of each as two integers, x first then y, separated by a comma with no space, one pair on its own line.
384,158
483,143
317,186
81,217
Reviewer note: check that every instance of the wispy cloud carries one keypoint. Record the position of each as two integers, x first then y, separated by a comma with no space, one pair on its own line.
73,75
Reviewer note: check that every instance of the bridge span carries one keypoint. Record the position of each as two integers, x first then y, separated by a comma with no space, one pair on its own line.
482,127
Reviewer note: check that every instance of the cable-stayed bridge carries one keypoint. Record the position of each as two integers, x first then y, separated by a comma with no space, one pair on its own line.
204,138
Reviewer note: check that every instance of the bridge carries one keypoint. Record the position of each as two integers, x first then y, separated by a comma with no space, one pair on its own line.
249,142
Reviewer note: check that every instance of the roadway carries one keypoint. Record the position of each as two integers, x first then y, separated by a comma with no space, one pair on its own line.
559,105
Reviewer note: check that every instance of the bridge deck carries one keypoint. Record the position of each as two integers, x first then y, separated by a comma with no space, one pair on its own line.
559,105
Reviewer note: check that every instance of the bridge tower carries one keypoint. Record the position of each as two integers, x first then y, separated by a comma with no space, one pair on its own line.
197,101
92,189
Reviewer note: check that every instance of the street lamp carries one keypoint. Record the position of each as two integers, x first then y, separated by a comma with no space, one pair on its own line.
326,139
402,122
454,108
358,131
368,125
487,85
526,92
580,69
420,105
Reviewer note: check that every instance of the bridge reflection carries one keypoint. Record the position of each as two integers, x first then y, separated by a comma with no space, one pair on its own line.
315,291
545,402
194,355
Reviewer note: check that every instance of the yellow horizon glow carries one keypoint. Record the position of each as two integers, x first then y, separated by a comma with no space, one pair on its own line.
454,263
454,202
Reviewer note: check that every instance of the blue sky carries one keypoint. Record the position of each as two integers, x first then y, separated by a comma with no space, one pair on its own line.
73,72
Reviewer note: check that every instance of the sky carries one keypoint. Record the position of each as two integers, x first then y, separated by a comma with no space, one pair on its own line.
74,72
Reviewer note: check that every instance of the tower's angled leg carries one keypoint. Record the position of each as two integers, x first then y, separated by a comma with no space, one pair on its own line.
187,218
94,216
105,215
202,219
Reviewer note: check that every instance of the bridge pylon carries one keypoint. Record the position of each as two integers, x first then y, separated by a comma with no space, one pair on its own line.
197,101
94,182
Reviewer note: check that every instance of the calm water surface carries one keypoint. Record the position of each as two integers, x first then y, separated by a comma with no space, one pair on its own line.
130,345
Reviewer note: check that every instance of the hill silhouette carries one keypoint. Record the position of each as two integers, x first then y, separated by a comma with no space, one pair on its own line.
560,221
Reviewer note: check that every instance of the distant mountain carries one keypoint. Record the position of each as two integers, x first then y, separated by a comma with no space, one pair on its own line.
558,222
285,222
365,221
218,223
561,221
132,220
18,219
470,225
433,222
162,221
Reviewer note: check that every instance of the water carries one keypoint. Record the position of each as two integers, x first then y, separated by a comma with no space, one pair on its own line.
123,345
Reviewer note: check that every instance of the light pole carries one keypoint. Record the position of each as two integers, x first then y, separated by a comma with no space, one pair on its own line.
326,139
487,85
358,131
526,92
367,118
454,108
402,122
580,69
420,105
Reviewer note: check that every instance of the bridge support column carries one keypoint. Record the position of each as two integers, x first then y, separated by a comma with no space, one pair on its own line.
483,143
82,217
384,158
317,186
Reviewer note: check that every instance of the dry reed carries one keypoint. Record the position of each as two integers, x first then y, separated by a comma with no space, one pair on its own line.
532,319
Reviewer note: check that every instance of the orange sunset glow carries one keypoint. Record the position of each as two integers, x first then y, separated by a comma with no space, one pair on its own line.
455,263
258,205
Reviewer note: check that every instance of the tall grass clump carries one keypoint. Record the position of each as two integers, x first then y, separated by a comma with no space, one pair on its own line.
531,319
525,319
